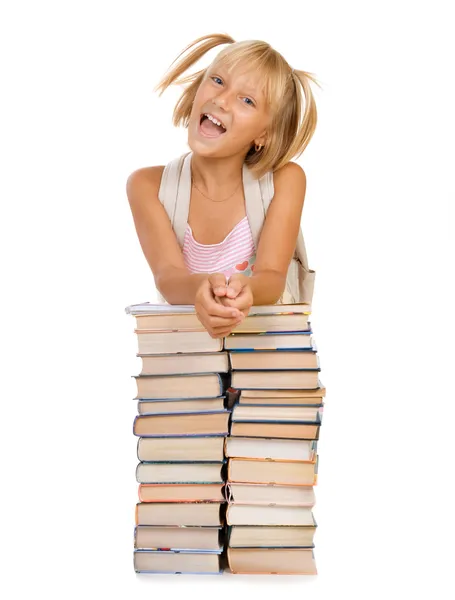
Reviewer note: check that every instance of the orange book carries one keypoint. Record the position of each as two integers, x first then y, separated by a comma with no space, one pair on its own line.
181,492
270,561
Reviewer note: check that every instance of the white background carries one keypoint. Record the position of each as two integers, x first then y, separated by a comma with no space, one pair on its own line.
78,115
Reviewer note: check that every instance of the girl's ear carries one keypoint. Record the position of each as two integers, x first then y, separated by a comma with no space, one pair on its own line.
260,141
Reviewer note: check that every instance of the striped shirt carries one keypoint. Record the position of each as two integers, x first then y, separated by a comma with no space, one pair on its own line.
235,254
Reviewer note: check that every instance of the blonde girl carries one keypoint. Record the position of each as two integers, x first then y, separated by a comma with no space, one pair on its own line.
248,109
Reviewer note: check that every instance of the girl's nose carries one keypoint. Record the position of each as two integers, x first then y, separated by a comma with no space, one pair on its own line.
221,100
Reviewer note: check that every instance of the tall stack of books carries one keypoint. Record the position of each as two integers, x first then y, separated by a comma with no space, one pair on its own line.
181,424
260,385
277,402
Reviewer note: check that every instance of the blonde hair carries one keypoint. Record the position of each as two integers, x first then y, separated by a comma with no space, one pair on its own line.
287,90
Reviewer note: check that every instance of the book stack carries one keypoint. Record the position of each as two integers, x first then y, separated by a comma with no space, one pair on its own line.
277,401
227,446
181,424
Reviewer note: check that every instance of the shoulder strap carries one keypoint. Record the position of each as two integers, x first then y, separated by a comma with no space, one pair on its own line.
256,208
175,192
263,188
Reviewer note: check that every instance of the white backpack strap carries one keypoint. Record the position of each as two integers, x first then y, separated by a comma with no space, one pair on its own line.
255,206
175,192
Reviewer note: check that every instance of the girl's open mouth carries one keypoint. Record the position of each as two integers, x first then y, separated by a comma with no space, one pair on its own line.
209,128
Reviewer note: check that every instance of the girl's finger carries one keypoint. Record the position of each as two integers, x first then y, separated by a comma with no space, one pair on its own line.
234,288
216,309
217,322
218,284
222,333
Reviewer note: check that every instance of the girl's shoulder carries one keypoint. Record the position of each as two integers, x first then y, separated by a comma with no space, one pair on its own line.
289,185
147,174
144,180
290,171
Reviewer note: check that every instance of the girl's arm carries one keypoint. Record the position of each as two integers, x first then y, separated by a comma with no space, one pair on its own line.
157,238
278,236
165,258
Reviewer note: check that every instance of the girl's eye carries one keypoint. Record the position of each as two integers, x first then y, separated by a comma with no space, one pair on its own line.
215,77
250,102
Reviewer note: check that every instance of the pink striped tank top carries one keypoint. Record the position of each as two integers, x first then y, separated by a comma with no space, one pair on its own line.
235,254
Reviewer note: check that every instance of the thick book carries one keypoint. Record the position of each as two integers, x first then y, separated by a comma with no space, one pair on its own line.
286,536
167,561
264,360
162,537
320,391
263,380
206,385
200,448
155,406
174,364
269,340
245,470
268,561
251,324
270,494
182,424
277,396
161,309
245,514
181,492
177,342
302,414
269,448
179,472
182,514
289,430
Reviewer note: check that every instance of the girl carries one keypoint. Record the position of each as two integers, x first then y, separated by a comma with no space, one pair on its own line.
245,116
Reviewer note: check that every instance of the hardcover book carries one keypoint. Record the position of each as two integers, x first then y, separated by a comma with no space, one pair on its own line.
180,405
171,537
179,472
263,360
206,385
181,492
182,514
189,363
268,561
270,448
182,424
270,494
269,340
284,536
167,561
246,470
197,448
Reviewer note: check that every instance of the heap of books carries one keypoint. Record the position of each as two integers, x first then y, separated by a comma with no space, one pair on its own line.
260,384
181,424
277,401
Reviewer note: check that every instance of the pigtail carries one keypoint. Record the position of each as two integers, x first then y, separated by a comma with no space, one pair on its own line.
306,123
293,134
174,74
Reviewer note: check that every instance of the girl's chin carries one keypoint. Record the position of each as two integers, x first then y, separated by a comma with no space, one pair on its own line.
204,145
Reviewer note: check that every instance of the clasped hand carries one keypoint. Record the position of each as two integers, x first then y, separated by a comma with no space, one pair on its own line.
221,306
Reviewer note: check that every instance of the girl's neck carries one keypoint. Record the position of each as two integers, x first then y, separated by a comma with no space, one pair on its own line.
216,176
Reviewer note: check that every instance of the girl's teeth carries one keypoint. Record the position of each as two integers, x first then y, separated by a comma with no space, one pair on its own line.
214,120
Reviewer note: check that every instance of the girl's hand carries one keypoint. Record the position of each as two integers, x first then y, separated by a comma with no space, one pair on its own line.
218,320
238,293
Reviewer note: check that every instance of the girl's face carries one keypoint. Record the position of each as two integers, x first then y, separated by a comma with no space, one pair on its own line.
236,101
